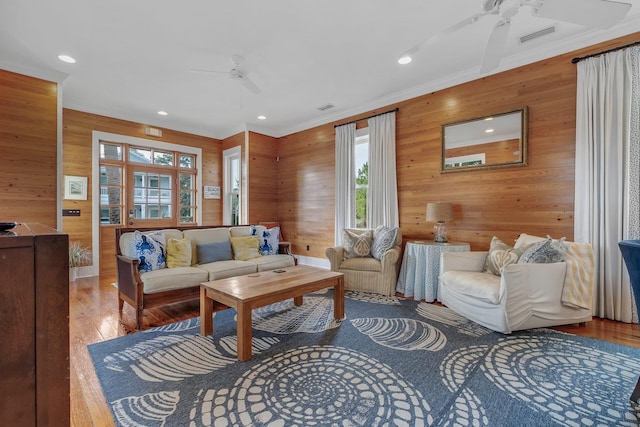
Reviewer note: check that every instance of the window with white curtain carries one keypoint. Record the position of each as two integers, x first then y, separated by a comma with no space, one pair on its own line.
362,176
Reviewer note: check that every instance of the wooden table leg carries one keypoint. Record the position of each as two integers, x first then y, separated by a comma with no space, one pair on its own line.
244,332
297,301
206,313
338,299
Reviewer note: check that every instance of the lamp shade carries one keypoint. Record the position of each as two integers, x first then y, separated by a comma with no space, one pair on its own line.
439,211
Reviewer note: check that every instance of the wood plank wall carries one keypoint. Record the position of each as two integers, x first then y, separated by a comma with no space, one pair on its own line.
77,136
536,199
263,179
28,143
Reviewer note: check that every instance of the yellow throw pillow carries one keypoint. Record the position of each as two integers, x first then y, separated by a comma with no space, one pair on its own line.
178,253
245,248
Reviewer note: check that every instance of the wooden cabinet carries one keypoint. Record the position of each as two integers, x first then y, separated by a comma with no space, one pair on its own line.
34,327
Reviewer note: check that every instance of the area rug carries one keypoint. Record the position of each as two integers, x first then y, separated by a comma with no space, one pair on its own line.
389,362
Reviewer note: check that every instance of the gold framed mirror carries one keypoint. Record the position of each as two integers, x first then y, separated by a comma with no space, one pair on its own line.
497,140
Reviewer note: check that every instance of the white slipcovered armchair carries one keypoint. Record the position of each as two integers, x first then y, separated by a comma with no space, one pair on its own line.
524,296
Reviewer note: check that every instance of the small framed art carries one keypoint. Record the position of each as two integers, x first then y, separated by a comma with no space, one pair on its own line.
75,187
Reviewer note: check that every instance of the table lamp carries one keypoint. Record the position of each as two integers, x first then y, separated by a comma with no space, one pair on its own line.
439,212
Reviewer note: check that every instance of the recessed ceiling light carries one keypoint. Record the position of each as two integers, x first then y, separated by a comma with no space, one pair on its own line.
66,58
404,60
163,113
262,117
488,130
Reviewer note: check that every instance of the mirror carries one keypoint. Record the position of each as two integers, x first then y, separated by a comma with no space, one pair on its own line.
498,140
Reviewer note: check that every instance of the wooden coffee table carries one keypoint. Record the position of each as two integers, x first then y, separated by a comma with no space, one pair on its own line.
244,293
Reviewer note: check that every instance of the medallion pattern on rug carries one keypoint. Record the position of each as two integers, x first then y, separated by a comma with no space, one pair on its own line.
390,362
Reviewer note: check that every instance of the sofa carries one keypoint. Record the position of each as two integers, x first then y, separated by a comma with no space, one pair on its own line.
192,255
503,292
369,259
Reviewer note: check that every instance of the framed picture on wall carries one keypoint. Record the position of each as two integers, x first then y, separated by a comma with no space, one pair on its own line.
75,187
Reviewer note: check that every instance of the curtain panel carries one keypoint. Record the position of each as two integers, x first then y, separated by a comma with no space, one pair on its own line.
382,198
607,173
345,215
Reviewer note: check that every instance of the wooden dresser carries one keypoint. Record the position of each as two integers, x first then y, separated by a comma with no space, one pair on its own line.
34,327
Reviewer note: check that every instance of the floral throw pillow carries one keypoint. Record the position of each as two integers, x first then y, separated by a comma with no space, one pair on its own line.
544,252
269,240
500,255
384,238
357,245
149,249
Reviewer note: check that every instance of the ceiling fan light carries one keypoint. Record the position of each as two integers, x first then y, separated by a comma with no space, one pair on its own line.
404,60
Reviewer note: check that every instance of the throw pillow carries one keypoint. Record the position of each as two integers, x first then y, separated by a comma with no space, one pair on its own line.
357,245
544,252
269,240
245,248
178,253
500,255
384,238
212,252
149,249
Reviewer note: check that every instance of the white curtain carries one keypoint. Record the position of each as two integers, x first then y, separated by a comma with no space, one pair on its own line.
382,197
607,173
345,179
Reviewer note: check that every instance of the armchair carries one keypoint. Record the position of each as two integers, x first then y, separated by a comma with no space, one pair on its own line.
524,296
368,274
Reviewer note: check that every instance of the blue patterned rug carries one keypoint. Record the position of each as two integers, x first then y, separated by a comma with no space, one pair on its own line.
390,362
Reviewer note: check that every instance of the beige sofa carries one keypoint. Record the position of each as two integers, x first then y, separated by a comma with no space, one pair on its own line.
169,285
368,274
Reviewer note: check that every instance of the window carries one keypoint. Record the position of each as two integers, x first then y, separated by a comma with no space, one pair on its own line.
362,176
161,184
232,185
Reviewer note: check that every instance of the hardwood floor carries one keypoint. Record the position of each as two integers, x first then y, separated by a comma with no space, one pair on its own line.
94,317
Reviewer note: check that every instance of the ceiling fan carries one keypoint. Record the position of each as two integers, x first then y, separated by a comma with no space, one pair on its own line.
601,14
236,73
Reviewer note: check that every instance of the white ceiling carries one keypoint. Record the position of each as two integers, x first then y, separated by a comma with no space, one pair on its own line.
137,57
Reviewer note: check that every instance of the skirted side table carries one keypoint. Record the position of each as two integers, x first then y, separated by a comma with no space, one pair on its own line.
421,267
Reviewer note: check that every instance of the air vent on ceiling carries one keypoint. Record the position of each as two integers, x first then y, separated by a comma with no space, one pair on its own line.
540,33
325,107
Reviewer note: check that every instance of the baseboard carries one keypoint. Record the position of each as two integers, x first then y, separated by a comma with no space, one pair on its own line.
313,262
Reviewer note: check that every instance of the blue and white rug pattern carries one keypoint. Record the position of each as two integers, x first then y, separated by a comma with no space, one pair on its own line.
389,362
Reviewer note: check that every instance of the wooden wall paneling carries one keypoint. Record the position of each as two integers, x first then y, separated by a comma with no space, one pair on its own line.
536,199
28,142
263,179
77,140
306,189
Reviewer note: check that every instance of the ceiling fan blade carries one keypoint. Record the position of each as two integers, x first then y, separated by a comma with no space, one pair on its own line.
601,14
455,27
249,84
196,70
495,46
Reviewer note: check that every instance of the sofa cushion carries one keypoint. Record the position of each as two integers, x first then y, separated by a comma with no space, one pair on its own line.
545,251
357,243
149,249
245,248
245,230
173,278
272,262
215,251
206,235
384,238
500,254
268,239
361,264
478,285
231,268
